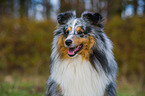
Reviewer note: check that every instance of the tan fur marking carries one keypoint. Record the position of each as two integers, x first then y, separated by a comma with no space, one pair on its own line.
87,45
59,88
79,29
61,47
68,29
85,52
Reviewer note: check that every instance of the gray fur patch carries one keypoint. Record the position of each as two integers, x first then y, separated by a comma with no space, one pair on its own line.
52,88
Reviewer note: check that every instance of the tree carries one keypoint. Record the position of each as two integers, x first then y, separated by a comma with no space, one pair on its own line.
114,7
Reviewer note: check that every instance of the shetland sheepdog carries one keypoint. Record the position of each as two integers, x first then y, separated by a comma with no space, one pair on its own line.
81,62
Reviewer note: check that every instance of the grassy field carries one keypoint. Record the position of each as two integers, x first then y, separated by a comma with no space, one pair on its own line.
19,85
22,85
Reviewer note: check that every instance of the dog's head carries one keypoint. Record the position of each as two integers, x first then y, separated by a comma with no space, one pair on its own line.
76,36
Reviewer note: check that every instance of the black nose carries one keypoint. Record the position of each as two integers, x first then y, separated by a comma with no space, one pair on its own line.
68,42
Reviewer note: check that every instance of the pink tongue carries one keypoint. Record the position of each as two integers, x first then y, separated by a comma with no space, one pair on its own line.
72,51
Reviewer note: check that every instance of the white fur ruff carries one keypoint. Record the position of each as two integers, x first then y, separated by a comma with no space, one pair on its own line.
77,77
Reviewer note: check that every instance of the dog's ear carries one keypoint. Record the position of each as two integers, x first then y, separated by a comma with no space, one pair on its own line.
63,18
93,18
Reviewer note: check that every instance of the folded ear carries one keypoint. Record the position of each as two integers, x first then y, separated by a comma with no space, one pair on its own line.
63,18
93,18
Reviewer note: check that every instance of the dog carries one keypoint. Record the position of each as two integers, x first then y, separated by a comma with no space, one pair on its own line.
81,62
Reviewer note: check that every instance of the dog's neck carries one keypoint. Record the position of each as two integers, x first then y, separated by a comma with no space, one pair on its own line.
77,77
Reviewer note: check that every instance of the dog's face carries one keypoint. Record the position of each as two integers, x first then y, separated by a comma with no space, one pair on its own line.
76,37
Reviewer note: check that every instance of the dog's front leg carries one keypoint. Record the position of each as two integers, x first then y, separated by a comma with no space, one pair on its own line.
111,90
52,88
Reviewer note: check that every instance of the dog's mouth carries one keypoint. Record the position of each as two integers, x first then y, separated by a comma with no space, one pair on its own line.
73,51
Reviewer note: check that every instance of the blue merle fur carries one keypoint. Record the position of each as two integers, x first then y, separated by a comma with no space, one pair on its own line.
100,51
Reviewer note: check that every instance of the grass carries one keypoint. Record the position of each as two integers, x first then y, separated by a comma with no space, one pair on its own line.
19,90
22,85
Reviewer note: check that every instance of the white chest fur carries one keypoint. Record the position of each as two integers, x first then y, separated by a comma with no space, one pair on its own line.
77,77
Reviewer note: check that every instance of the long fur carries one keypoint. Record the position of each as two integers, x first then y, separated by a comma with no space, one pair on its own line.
92,72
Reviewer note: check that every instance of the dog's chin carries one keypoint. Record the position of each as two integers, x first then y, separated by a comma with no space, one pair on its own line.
73,51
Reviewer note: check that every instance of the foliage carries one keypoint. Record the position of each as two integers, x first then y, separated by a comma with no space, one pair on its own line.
128,37
25,45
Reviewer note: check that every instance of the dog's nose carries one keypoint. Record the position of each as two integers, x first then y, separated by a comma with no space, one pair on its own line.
68,42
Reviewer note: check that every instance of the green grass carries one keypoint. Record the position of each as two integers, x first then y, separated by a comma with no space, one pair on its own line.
22,86
35,86
12,90
125,91
128,91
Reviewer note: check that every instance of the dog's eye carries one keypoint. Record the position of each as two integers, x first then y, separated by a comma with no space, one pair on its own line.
81,35
80,32
67,32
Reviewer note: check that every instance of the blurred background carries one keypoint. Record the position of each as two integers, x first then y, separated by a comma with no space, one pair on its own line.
26,32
